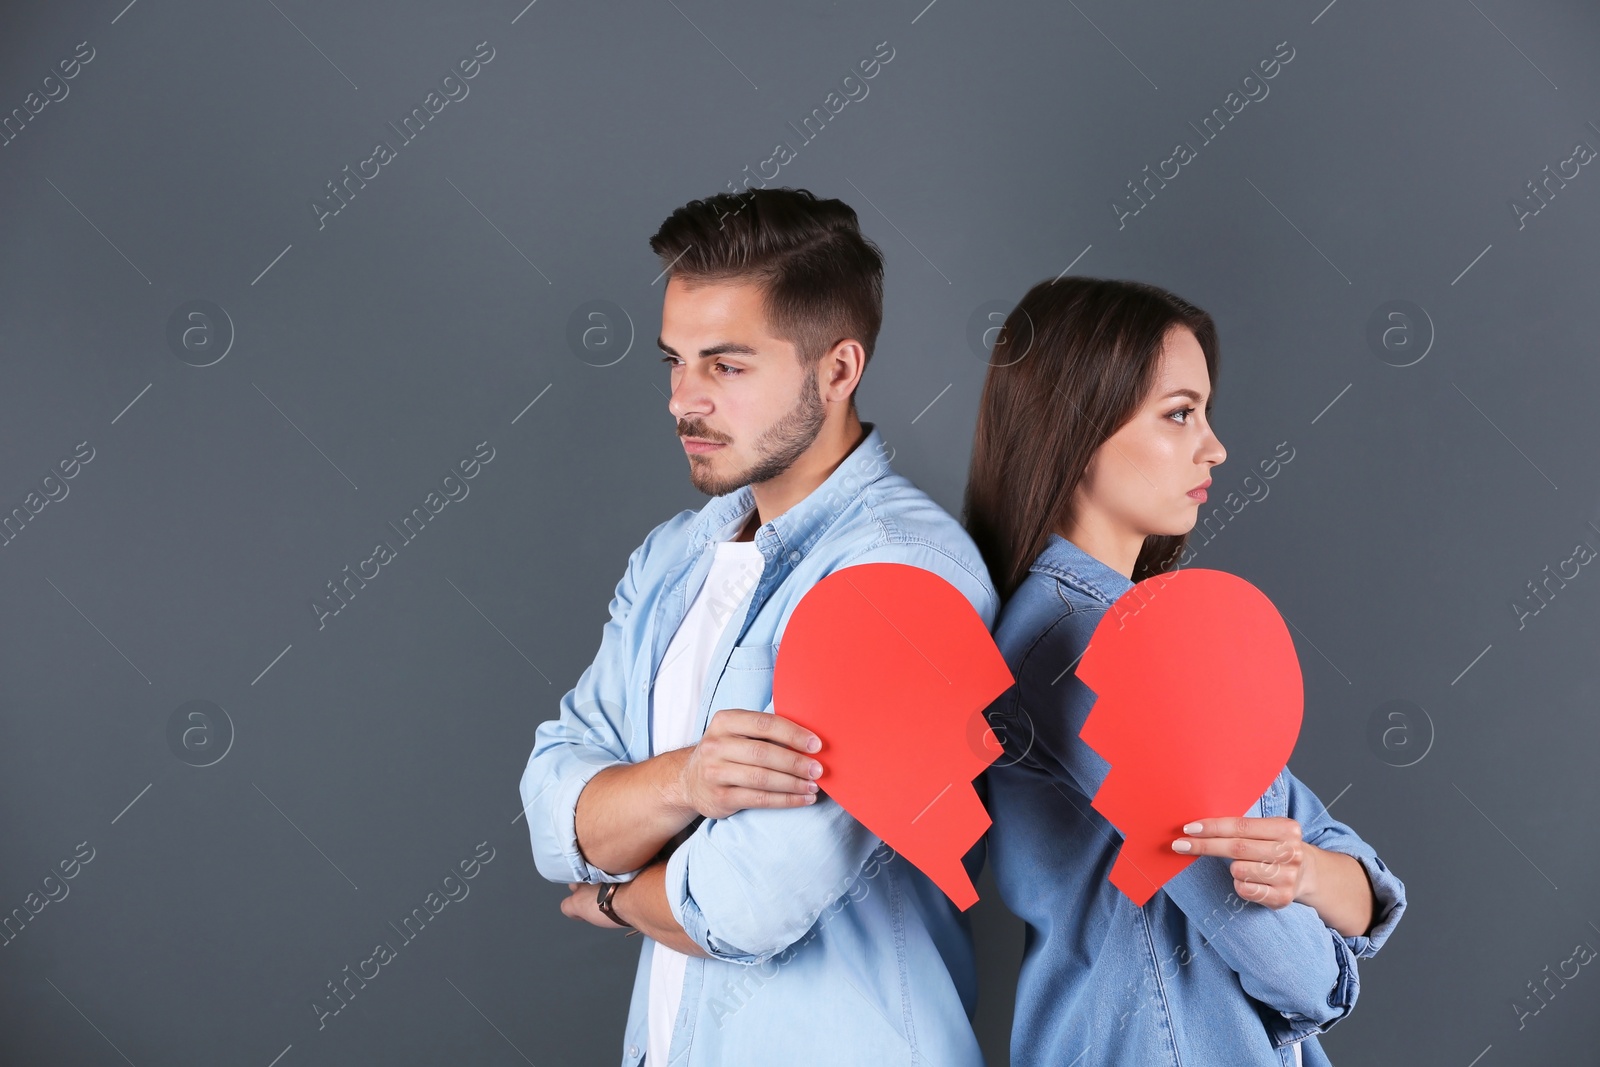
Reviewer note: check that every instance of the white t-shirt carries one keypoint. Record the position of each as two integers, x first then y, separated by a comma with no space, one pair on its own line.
735,570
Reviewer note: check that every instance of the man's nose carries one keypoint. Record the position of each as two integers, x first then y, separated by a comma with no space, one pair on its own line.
687,398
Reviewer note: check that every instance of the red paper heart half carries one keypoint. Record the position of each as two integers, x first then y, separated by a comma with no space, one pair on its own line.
1198,705
892,668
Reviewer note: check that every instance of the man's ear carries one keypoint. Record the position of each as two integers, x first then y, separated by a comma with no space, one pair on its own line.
840,370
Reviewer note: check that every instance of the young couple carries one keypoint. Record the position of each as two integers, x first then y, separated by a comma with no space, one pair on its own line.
672,800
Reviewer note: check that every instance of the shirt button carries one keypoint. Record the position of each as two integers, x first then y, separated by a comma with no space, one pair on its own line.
633,1050
794,557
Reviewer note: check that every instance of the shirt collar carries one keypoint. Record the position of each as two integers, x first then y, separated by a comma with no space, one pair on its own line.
1065,561
793,533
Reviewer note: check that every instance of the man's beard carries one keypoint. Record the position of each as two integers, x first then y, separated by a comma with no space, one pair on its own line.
777,449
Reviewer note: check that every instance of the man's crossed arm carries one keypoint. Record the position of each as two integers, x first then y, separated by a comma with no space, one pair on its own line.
627,813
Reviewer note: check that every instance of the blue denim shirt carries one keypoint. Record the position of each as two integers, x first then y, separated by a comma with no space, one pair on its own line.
826,947
1197,977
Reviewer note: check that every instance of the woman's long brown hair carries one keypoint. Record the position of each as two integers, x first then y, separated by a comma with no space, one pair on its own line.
1073,362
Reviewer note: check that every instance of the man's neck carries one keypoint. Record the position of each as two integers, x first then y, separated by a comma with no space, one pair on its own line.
778,495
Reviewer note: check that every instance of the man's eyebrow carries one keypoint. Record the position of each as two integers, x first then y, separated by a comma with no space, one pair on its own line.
725,348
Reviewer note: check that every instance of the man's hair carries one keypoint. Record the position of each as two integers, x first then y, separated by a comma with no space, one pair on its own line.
821,279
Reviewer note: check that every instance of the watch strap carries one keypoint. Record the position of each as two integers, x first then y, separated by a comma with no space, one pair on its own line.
603,901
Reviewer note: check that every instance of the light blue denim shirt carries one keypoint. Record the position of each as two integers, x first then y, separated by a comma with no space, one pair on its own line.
826,946
1197,977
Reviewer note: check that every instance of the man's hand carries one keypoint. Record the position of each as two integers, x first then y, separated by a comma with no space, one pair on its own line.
750,759
1271,864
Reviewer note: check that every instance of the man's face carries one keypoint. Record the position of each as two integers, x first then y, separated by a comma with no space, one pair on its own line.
746,409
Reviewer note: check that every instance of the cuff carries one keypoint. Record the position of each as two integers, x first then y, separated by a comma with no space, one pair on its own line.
680,899
1390,894
1288,1027
563,814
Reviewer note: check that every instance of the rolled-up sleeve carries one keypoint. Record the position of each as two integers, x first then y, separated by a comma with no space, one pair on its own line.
1287,958
591,732
1319,828
746,887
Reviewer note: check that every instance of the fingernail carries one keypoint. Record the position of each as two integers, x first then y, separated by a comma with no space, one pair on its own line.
811,798
813,744
1181,845
811,787
816,770
1192,827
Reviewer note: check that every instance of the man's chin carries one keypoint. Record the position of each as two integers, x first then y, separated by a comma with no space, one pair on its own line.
707,482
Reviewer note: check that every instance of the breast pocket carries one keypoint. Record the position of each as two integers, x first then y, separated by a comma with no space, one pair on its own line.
746,682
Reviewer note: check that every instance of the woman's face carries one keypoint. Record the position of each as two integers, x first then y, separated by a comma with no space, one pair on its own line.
1147,478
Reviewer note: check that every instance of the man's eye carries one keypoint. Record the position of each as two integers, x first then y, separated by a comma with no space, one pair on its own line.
733,370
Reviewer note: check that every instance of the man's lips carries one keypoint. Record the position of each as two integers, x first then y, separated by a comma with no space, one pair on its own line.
697,445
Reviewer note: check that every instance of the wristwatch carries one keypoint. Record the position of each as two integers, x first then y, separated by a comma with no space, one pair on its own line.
603,900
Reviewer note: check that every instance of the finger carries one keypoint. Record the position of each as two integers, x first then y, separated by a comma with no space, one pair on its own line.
778,758
765,779
1273,828
771,727
1267,896
753,752
741,798
1237,848
1272,874
788,732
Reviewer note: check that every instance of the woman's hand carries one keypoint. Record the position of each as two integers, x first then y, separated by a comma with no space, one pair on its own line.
1271,864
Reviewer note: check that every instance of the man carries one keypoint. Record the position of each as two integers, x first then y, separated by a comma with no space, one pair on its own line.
667,795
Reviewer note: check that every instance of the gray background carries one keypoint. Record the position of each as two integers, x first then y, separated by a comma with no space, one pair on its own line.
361,761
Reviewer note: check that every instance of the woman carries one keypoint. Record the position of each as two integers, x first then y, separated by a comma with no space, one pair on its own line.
1093,449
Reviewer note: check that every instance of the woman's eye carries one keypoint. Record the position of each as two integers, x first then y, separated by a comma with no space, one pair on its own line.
1181,411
